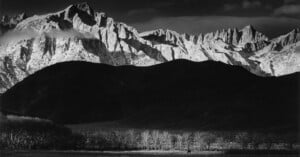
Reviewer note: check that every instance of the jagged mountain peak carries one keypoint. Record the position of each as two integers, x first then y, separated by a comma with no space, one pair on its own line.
294,32
80,17
85,7
248,28
80,8
247,38
287,39
251,35
160,32
61,20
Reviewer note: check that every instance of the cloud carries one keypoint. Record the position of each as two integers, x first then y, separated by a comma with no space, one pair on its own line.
246,4
141,14
11,36
292,10
16,35
272,26
289,1
69,34
229,7
142,11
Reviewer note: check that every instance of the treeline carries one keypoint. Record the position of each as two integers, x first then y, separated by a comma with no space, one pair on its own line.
32,134
184,141
29,134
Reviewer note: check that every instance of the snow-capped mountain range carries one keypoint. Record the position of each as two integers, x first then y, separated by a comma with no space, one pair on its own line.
78,33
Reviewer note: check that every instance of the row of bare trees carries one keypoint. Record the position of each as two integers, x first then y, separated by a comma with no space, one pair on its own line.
30,134
184,141
41,135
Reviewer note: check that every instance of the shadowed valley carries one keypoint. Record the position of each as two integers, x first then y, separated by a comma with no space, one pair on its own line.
179,94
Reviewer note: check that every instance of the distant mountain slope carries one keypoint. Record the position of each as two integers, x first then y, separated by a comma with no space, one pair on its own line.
78,33
178,94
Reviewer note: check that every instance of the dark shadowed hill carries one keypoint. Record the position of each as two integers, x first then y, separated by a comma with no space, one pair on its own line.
178,94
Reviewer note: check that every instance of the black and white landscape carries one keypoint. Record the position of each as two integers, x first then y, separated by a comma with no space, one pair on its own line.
76,79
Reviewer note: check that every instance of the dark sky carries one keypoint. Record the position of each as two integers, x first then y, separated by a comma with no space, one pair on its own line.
273,17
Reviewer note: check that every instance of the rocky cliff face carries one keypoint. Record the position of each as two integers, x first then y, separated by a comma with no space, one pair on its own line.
78,33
